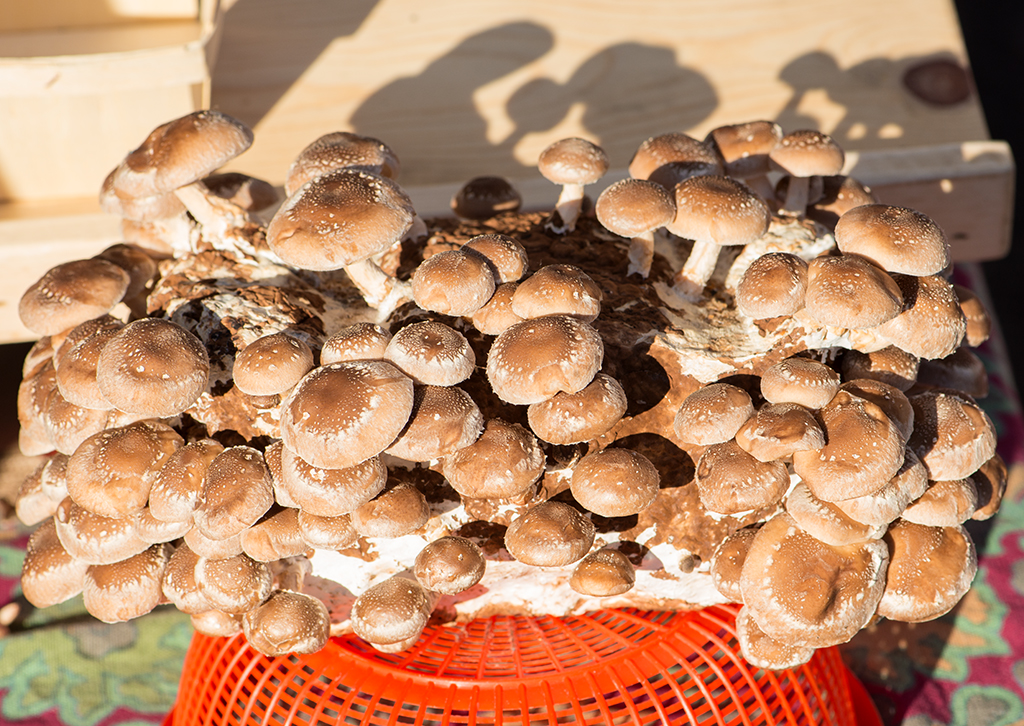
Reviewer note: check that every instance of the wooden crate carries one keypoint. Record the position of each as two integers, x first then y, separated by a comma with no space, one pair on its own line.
460,89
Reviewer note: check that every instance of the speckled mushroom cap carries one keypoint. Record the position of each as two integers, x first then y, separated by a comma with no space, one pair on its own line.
217,549
154,531
431,353
330,492
888,398
237,491
483,197
391,613
573,161
508,258
449,565
864,450
615,482
890,365
978,321
233,584
962,370
658,151
338,150
763,651
179,482
34,392
745,147
550,534
800,380
94,539
497,316
896,239
274,538
632,207
990,481
180,152
76,374
326,533
944,504
68,425
139,209
603,573
359,341
535,359
773,285
727,563
931,324
730,481
570,418
806,152
778,430
888,503
398,510
344,413
271,364
49,574
125,590
804,592
850,292
952,435
32,504
153,367
179,582
503,462
558,290
217,624
444,419
454,282
71,293
718,209
139,265
338,219
914,593
827,522
112,472
712,414
288,622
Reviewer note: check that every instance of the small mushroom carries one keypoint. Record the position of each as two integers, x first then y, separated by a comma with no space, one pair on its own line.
889,365
763,651
359,341
944,503
127,589
888,503
827,522
271,365
444,419
978,321
497,315
800,380
391,614
397,511
952,435
744,149
712,414
731,481
848,291
603,573
274,538
775,284
327,533
508,258
558,290
990,480
431,353
484,197
550,534
690,157
503,463
571,418
778,430
330,492
803,154
896,239
615,482
233,584
237,491
49,574
634,209
341,150
573,163
287,622
179,482
449,565
179,584
727,563
454,282
931,324
95,539
72,293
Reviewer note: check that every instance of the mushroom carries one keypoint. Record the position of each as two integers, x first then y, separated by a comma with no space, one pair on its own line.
72,293
49,574
329,492
503,463
270,366
712,414
550,534
217,624
431,353
800,380
731,481
603,573
778,430
444,419
341,150
242,190
763,651
558,290
237,491
179,584
961,370
508,258
288,622
141,269
397,511
76,375
449,565
978,321
848,291
483,197
888,503
573,163
359,341
744,149
839,194
179,482
126,589
391,614
234,584
944,503
888,398
327,533
896,239
454,282
634,209
931,323
803,154
990,480
727,563
274,538
154,531
497,315
690,156
774,285
615,482
889,365
572,418
94,539
952,435
826,521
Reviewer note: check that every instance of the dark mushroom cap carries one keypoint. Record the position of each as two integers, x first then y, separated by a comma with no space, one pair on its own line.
990,480
288,622
839,194
658,151
72,293
550,534
962,370
449,565
483,197
603,573
615,482
978,320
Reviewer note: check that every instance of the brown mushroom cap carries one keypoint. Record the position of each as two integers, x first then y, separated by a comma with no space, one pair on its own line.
344,413
217,624
327,533
774,284
68,425
558,290
952,435
359,341
827,522
888,398
850,292
391,613
138,209
944,503
508,258
216,549
915,593
805,153
32,504
288,622
804,592
962,370
180,152
615,482
339,150
449,565
763,651
34,392
535,359
572,161
49,574
658,151
242,190
177,485
153,367
889,365
603,573
154,531
990,480
931,325
454,282
745,147
329,492
72,293
127,589
896,239
550,534
444,419
483,197
888,503
112,472
271,364
139,265
76,369
979,322
840,194
502,463
778,430
712,414
731,481
233,584
179,582
864,450
569,418
800,380
727,563
94,539
719,210
497,316
633,207
338,219
237,491
432,353
397,511
274,538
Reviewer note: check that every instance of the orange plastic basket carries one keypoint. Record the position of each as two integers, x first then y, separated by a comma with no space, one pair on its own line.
606,667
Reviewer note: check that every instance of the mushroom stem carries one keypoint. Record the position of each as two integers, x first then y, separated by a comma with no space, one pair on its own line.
761,186
796,196
417,230
689,282
379,289
641,254
217,216
568,206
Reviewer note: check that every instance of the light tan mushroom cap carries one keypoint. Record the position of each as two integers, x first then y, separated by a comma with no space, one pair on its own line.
890,365
94,539
338,219
774,284
615,482
944,504
779,430
288,622
271,364
558,290
339,150
916,593
763,651
274,538
573,161
344,413
807,593
153,367
128,589
720,210
550,534
444,419
327,533
807,152
497,316
395,512
535,359
237,491
727,563
800,380
217,624
603,573
896,239
664,149
712,414
329,492
449,565
391,612
569,418
72,293
233,584
179,584
931,325
731,481
360,341
432,353
178,483
888,503
952,435
632,207
850,292
508,258
49,574
454,282
503,462
827,522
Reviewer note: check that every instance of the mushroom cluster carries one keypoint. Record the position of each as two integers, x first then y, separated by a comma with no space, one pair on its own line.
312,413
